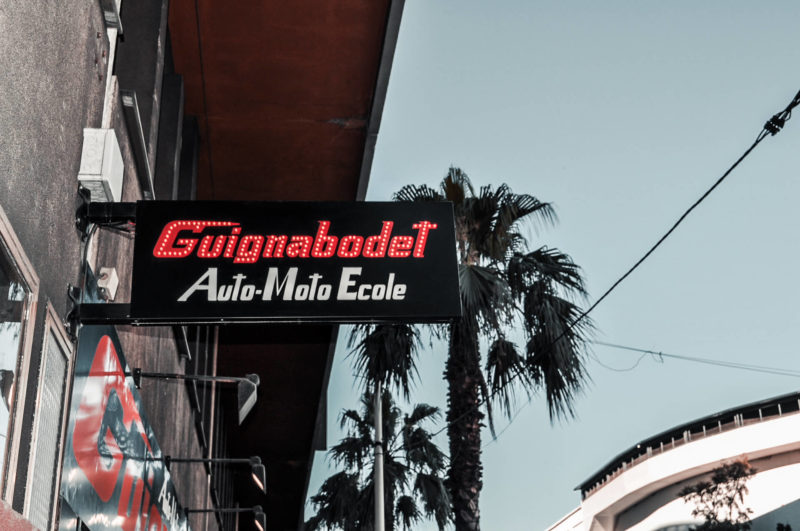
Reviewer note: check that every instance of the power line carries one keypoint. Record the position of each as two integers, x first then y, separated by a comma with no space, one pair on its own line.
627,369
708,361
771,127
510,422
659,355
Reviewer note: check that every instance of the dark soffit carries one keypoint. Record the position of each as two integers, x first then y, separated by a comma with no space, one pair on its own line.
289,98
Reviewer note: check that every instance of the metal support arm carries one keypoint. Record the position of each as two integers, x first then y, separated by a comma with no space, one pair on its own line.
104,214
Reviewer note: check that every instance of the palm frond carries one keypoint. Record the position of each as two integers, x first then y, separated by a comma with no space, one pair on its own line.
387,354
391,415
357,333
544,310
515,208
550,265
355,422
507,371
407,512
486,399
501,237
456,186
314,523
479,215
435,499
514,243
555,347
417,443
395,474
417,193
420,450
489,220
352,452
335,502
422,412
364,506
485,296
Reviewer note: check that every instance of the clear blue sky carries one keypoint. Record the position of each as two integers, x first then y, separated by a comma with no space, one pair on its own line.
621,114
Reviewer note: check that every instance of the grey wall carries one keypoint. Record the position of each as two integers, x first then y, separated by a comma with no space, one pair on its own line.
50,89
52,83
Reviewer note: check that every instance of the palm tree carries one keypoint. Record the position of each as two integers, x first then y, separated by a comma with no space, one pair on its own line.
413,467
503,285
384,356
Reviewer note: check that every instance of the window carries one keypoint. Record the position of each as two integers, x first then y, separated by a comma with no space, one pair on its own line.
19,287
48,420
12,305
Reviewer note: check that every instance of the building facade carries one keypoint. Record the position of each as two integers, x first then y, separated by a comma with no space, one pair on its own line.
639,489
113,102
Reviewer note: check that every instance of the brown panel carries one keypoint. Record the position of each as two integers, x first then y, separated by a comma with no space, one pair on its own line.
282,92
290,361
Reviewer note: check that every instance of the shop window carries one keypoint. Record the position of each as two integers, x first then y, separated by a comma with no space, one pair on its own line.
47,442
18,292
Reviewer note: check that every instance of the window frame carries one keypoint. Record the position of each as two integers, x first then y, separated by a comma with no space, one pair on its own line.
53,331
24,268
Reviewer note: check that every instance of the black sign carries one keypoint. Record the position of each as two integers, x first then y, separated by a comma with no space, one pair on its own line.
216,261
114,473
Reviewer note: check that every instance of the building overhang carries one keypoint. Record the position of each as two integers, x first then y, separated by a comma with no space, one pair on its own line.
288,98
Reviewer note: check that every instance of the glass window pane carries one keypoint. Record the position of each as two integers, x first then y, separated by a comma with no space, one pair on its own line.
12,311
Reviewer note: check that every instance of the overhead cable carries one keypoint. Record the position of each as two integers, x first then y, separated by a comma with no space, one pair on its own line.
659,355
708,361
771,127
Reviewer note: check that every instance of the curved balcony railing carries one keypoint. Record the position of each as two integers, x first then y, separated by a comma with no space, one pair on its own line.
711,425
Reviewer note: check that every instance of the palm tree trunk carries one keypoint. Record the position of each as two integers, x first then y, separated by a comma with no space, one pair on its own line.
464,417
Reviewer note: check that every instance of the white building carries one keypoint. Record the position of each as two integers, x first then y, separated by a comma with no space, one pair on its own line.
639,488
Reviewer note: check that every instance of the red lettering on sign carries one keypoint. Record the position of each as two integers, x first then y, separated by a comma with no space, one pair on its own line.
300,246
422,238
375,246
401,246
207,251
324,245
232,242
275,246
248,248
170,246
350,246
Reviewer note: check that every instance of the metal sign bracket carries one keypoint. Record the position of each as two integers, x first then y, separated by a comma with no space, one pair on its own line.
104,215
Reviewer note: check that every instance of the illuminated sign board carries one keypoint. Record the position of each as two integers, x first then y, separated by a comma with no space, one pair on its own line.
220,261
114,475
